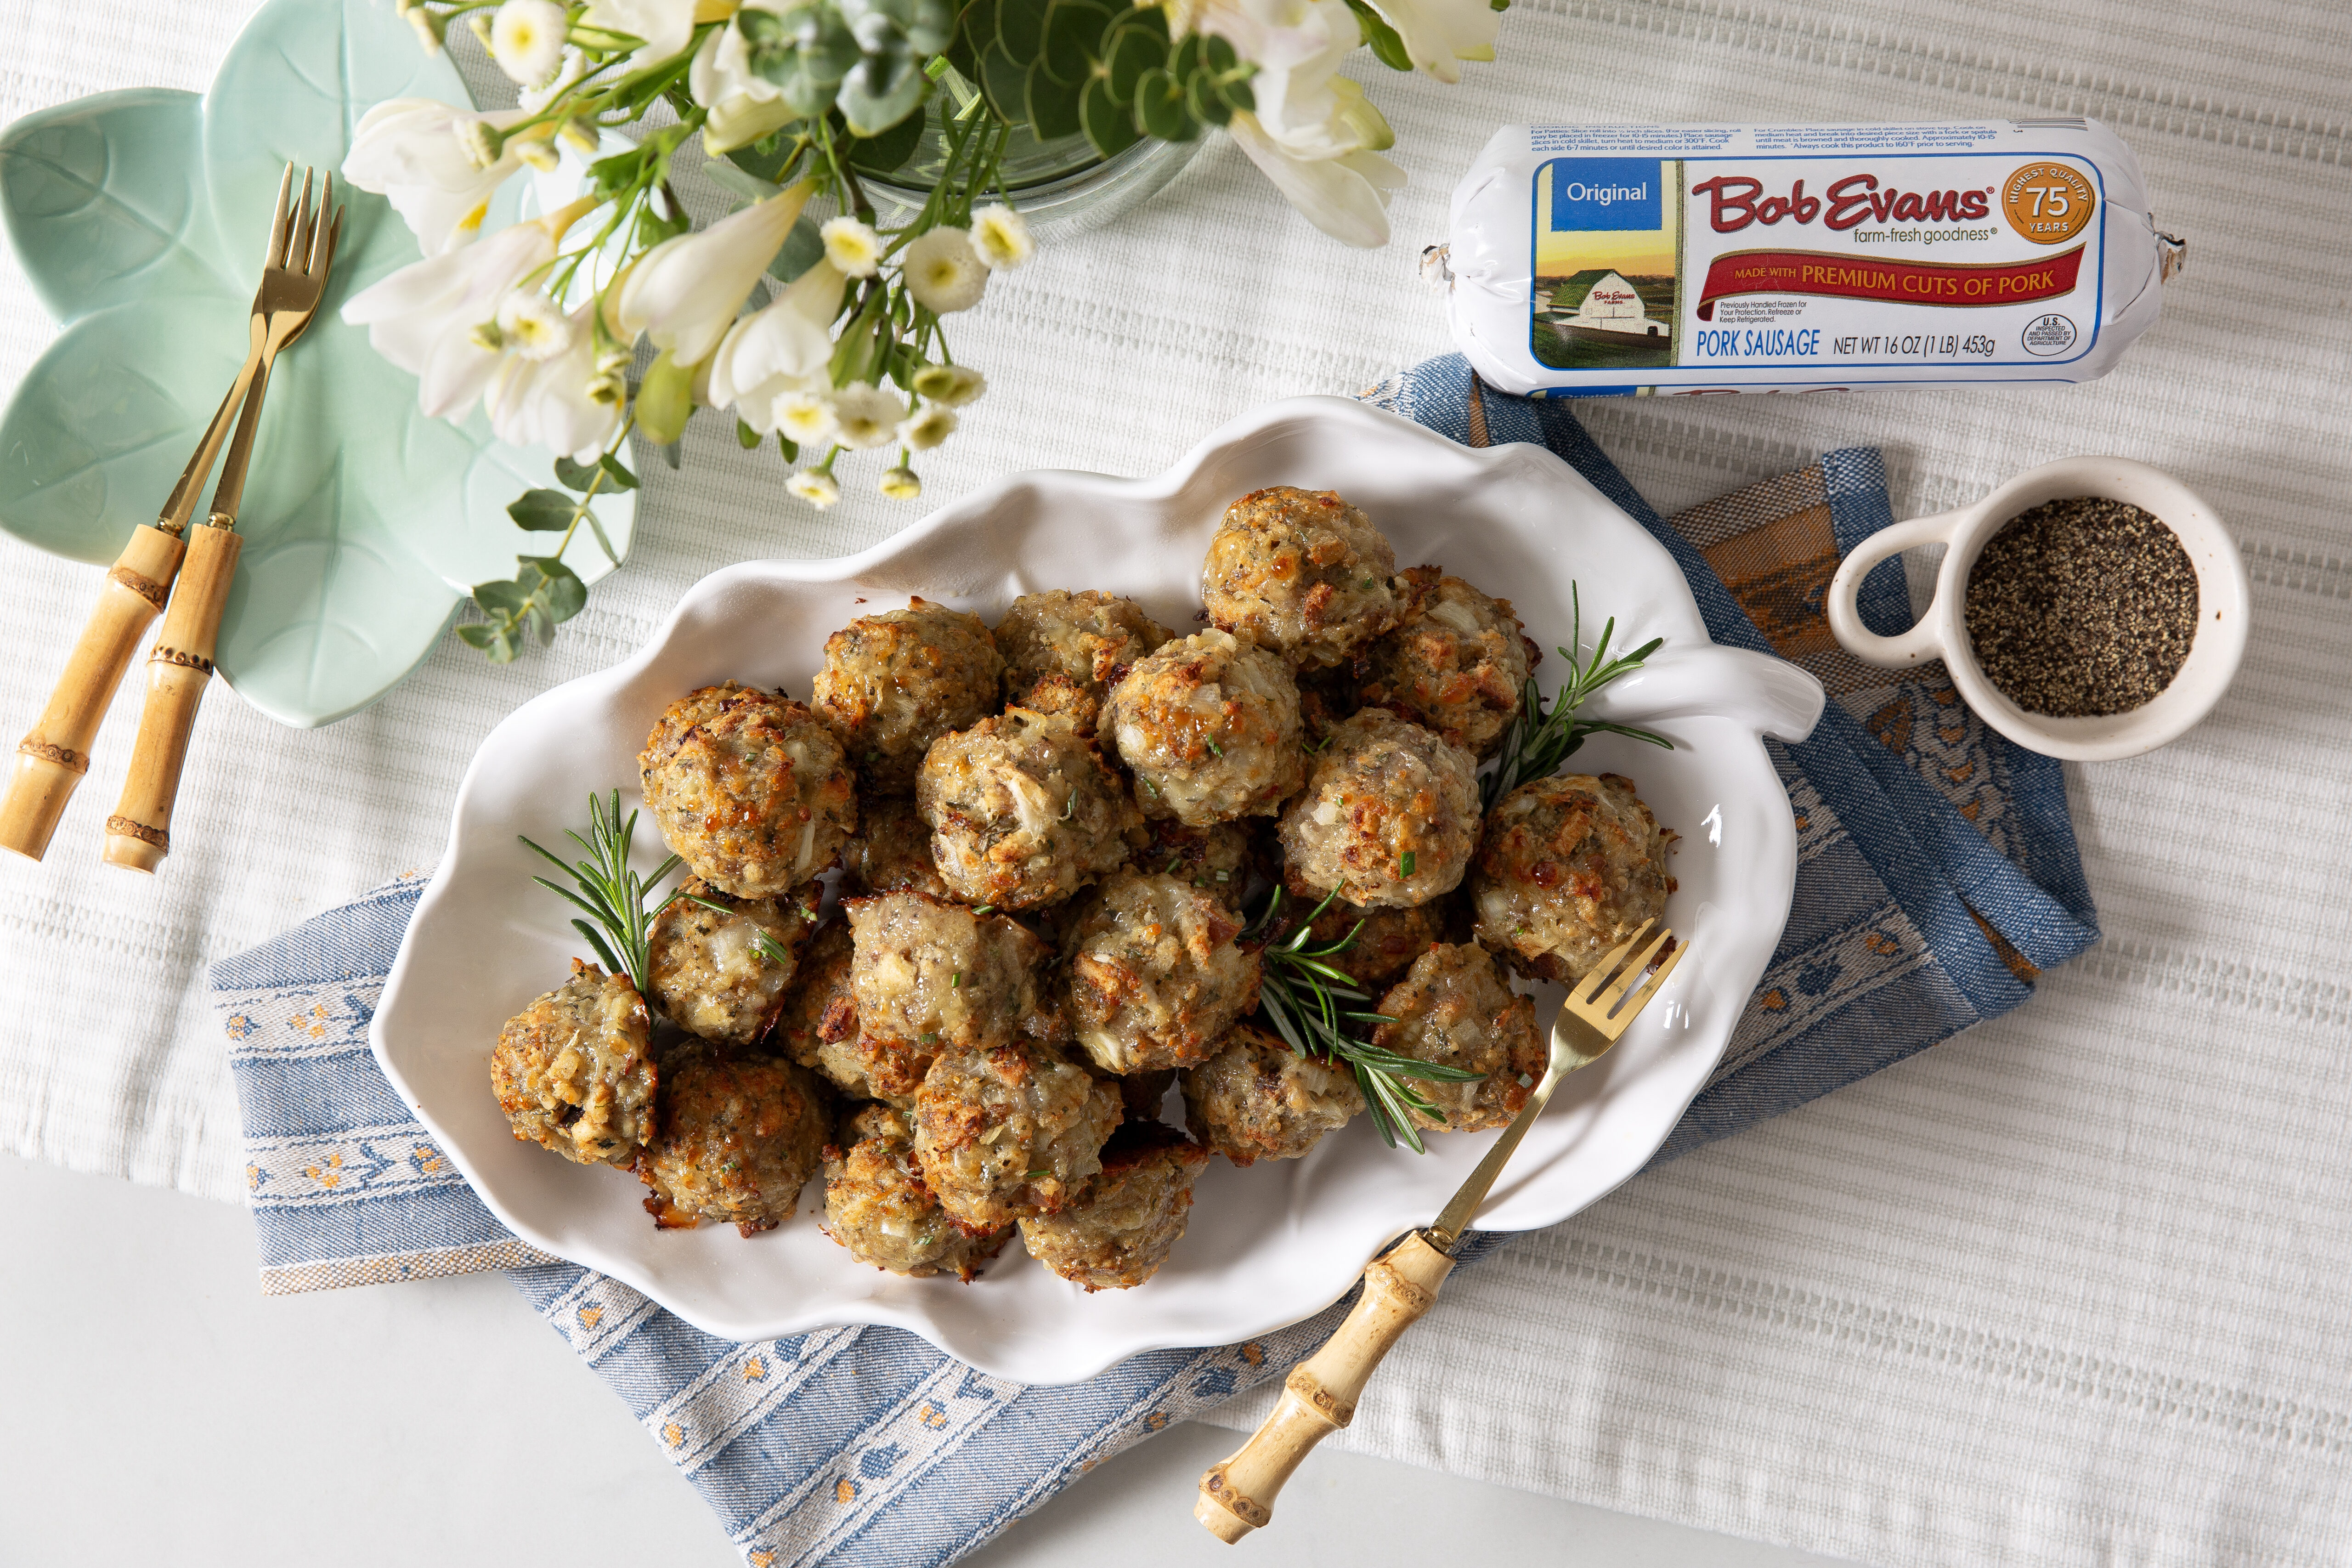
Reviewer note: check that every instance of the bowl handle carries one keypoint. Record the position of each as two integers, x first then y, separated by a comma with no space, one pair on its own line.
1921,643
1768,695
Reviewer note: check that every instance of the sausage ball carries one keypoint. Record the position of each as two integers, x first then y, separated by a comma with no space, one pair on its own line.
1074,646
1023,811
1456,1008
749,788
708,973
1305,573
574,1071
1568,868
817,1026
876,1204
1258,1099
1458,664
1122,1230
1216,860
739,1138
1009,1131
1388,816
931,976
1385,940
1210,725
895,683
892,850
1152,976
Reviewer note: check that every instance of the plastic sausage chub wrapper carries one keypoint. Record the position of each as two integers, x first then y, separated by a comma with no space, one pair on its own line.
1587,260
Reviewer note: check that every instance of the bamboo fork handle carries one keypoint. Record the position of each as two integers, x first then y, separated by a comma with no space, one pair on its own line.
52,759
138,835
1319,1397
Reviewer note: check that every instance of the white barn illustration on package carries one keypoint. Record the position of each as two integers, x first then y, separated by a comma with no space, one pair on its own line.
1604,302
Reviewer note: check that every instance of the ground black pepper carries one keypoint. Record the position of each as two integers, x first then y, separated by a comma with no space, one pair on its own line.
2082,607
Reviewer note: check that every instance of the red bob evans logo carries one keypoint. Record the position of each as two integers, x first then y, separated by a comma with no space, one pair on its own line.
1735,200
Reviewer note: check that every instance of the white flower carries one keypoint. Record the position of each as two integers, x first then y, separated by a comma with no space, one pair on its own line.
952,385
1313,132
530,325
415,152
853,246
685,291
1438,33
943,272
425,317
1001,236
901,484
744,106
806,418
818,489
667,26
928,428
785,349
554,402
527,40
869,415
571,68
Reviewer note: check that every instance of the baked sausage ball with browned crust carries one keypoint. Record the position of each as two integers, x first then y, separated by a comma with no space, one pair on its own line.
574,1071
1458,664
1074,645
1386,939
1388,816
1010,1132
931,976
1258,1099
892,850
817,1026
893,683
876,1204
738,1139
749,788
1568,868
1216,860
1456,1008
1302,572
708,973
1152,976
1023,811
1122,1229
1210,726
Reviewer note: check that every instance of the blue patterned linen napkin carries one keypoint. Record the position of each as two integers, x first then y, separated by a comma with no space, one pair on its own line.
1937,877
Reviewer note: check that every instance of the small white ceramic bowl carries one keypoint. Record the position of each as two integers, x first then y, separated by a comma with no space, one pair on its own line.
1942,631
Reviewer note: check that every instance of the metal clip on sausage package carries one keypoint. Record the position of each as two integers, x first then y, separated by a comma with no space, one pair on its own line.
1595,259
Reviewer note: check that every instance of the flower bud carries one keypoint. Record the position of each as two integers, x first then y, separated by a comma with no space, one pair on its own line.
481,143
580,134
951,386
901,483
664,399
539,155
428,28
480,24
487,336
815,486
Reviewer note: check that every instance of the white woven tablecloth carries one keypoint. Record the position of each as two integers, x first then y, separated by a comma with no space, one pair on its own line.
2067,1290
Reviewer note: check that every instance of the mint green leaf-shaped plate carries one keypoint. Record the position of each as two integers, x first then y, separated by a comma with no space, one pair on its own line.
141,217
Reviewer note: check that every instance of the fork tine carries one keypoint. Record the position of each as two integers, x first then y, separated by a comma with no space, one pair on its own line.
326,263
277,219
306,220
1640,999
1589,986
321,244
1641,961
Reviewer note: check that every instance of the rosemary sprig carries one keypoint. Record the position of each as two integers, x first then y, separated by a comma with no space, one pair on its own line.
1304,995
1541,740
612,895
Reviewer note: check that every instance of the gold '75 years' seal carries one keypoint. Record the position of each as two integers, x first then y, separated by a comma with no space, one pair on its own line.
2048,202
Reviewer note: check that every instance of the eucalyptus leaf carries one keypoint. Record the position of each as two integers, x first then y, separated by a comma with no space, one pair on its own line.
1201,99
885,153
616,473
801,250
738,181
1053,105
1131,50
1021,29
1159,107
976,30
1109,125
1239,96
1005,85
932,26
561,591
501,598
1386,46
881,92
573,476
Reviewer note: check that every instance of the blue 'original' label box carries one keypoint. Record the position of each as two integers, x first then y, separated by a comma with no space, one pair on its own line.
1601,194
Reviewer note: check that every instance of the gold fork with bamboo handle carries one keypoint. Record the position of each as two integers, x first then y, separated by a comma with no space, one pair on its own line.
1319,1397
54,756
138,834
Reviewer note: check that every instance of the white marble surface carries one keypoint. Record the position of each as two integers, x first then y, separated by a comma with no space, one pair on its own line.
150,1394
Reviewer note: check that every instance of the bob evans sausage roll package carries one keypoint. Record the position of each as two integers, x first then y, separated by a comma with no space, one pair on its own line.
1595,259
